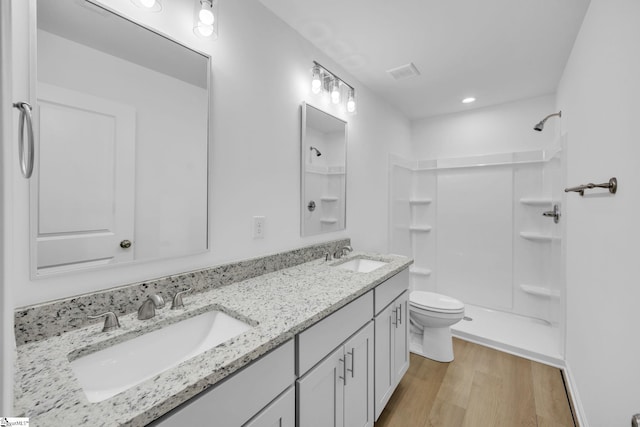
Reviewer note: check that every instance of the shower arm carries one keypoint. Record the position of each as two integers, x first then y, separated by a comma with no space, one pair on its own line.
559,114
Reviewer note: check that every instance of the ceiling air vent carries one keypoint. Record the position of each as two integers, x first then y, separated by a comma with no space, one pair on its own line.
404,72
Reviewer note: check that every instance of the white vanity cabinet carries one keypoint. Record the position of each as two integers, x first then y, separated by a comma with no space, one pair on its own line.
391,337
257,389
335,366
338,392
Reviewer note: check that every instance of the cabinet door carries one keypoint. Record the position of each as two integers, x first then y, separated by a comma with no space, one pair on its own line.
280,413
385,331
358,389
320,393
401,338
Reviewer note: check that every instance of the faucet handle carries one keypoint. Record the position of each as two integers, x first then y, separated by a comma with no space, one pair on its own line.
177,300
111,321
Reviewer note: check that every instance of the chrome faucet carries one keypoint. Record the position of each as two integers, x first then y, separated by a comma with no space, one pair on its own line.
342,251
177,300
148,308
110,321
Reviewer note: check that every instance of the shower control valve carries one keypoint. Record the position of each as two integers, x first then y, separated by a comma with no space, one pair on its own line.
311,206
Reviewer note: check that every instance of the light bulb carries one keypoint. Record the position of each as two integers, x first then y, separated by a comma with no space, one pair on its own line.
206,14
316,83
148,5
351,103
204,30
335,92
468,100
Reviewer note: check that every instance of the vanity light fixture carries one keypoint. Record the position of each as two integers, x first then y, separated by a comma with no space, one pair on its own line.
206,18
150,5
339,91
351,102
335,91
316,80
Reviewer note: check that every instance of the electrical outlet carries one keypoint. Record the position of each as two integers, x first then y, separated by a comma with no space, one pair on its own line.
258,227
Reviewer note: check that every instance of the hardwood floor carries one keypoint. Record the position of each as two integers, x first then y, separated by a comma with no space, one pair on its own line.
482,387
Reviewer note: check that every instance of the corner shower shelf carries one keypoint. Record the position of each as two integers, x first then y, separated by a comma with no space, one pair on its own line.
536,201
420,201
538,237
419,271
420,228
540,291
328,220
328,199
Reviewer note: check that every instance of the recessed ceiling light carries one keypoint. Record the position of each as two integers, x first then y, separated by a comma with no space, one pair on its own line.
468,100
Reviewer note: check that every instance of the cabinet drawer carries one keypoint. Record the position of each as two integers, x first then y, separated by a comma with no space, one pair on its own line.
323,337
281,412
240,397
390,289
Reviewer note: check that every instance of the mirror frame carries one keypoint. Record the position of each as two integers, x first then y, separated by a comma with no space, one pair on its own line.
303,137
34,271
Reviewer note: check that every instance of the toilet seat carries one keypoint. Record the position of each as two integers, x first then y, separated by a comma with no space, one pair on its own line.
432,301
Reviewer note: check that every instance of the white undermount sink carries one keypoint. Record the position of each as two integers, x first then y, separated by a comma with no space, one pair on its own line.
361,265
107,372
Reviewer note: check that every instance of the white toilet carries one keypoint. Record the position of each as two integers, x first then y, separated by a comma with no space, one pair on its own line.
431,318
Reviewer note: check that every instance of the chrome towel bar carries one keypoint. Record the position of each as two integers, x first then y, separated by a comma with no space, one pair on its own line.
26,164
612,185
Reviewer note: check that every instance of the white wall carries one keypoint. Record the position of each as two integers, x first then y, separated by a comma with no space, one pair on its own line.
598,95
6,301
261,74
503,128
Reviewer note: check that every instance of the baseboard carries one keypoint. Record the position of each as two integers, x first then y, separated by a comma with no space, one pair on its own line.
577,409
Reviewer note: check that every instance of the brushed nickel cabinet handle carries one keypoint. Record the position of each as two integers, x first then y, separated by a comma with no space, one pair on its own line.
352,353
344,370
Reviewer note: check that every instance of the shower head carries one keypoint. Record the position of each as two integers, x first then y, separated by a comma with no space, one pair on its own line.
540,125
318,153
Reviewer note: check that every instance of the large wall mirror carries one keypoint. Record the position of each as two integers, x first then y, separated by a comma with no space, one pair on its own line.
122,123
323,172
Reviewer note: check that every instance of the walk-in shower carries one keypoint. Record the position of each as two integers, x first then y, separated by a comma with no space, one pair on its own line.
476,231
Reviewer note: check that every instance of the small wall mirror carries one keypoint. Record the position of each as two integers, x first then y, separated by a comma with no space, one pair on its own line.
122,119
323,172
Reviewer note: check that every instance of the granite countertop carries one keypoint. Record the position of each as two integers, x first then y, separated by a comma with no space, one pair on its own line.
280,305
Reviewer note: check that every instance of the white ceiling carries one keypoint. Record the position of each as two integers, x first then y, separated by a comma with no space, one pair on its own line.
495,50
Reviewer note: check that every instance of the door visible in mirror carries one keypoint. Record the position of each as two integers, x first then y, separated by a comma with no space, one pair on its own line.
323,172
122,122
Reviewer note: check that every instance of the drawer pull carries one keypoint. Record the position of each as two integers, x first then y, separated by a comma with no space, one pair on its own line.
351,353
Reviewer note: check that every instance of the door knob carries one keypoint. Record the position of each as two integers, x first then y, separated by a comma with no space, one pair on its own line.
125,244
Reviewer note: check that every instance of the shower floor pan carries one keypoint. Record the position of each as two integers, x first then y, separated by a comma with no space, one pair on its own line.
523,336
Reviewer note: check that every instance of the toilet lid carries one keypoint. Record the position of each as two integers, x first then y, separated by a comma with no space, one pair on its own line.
435,302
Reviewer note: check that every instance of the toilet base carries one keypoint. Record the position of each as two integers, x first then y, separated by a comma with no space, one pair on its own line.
436,344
